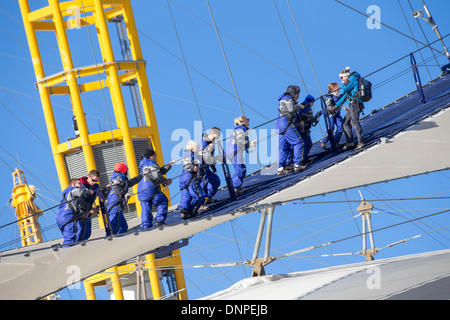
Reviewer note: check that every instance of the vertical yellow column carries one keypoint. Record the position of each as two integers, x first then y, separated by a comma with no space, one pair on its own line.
44,94
142,79
66,58
150,118
114,85
154,276
143,85
116,283
179,275
90,291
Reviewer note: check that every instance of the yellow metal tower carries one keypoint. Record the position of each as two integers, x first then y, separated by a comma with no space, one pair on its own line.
27,212
101,150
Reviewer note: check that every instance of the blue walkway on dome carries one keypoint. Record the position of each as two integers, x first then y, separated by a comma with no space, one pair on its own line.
384,122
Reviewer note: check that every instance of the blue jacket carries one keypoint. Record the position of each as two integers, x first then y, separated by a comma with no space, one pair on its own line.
146,189
238,142
283,122
66,208
350,88
190,160
118,192
64,194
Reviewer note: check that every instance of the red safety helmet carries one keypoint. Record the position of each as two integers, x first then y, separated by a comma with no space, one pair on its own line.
121,167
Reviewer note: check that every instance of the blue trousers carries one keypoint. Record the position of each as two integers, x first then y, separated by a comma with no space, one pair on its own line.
117,220
71,226
290,142
193,196
336,122
161,203
307,144
69,233
211,183
84,228
240,171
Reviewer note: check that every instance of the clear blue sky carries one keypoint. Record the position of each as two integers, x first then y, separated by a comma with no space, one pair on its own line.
262,65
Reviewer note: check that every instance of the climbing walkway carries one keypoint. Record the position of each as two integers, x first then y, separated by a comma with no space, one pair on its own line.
41,269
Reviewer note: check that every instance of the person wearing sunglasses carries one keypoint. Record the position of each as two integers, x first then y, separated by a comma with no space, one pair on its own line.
84,223
350,93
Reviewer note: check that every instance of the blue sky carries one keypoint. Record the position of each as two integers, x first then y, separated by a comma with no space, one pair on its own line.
262,65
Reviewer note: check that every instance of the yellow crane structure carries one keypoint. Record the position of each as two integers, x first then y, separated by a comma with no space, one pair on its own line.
27,212
100,150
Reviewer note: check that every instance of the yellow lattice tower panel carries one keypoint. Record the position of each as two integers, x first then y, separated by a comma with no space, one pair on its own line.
111,73
27,212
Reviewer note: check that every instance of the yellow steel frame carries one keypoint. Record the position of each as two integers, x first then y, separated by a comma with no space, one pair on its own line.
96,12
27,212
113,275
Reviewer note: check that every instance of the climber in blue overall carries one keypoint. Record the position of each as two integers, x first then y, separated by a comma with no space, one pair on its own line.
334,113
71,209
211,180
289,138
149,189
236,145
306,120
119,196
89,182
191,182
350,88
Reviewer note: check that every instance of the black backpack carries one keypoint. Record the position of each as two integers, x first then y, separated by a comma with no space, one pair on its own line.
365,89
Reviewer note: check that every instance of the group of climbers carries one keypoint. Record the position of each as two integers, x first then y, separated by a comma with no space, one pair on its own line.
74,214
198,181
295,120
73,218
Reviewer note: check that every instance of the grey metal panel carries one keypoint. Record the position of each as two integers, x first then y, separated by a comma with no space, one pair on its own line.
139,147
106,156
76,165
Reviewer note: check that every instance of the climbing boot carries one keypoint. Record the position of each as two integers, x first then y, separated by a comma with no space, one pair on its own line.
209,200
348,146
299,168
284,171
360,145
185,214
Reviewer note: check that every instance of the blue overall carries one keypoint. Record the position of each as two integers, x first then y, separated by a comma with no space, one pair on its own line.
289,138
115,203
305,135
336,121
190,183
66,220
236,153
149,194
85,224
211,180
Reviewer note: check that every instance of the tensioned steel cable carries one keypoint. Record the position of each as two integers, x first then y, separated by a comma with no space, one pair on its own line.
185,65
403,34
229,70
